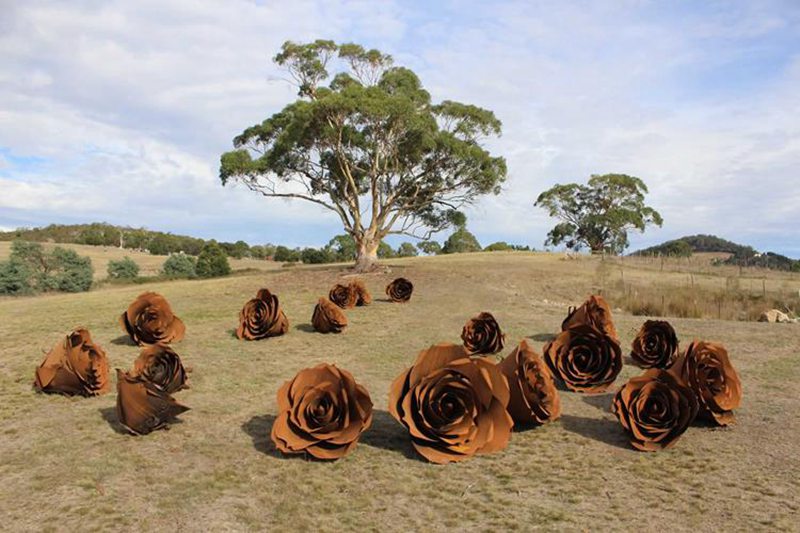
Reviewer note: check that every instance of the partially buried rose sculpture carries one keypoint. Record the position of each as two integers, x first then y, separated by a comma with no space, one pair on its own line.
262,317
344,296
328,318
142,406
584,358
162,367
399,290
534,397
655,409
452,405
74,366
149,320
706,369
595,312
481,335
655,346
322,413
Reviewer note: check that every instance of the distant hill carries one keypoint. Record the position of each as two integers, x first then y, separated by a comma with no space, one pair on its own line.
740,255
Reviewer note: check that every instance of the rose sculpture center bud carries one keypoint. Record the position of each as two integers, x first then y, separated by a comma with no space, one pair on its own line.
74,366
162,367
452,405
149,320
399,290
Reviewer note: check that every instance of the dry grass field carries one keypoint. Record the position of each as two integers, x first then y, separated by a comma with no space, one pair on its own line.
66,465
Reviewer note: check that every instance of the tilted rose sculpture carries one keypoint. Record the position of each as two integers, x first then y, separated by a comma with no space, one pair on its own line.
161,366
534,397
328,318
74,366
149,320
142,407
584,358
655,409
343,295
363,297
453,405
595,312
262,317
655,346
400,290
322,413
481,335
706,369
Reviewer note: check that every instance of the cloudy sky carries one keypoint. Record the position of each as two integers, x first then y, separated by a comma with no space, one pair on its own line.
118,111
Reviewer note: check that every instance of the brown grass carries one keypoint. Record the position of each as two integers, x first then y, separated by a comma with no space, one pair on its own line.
66,466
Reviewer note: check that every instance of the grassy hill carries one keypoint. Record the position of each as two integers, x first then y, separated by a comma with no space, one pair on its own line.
219,469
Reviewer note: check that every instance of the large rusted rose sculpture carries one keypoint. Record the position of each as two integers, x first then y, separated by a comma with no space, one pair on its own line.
74,366
655,346
142,406
655,409
262,317
149,320
481,335
595,312
399,290
584,358
534,397
363,297
328,318
453,405
344,296
162,367
322,413
706,369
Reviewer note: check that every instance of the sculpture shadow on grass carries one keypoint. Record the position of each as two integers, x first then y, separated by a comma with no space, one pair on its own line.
600,401
388,434
542,337
109,414
123,340
308,328
599,429
259,428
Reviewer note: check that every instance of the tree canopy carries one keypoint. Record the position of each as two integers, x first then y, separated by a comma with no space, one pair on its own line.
598,215
365,141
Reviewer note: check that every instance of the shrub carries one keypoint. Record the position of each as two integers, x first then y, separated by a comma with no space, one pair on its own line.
125,268
180,266
15,277
212,262
430,247
68,271
407,249
385,251
285,255
315,256
500,246
461,241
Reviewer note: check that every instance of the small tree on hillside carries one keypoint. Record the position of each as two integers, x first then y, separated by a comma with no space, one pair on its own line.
125,268
598,215
212,262
461,241
407,249
370,146
430,247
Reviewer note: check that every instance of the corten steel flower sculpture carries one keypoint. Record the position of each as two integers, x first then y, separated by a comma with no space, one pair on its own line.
74,366
481,335
453,405
262,317
322,413
363,297
655,346
595,312
149,320
161,366
399,290
706,369
344,296
142,406
655,409
534,397
328,318
584,358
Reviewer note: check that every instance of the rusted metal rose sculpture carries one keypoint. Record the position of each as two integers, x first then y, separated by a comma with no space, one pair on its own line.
74,366
363,297
655,346
142,406
162,367
534,397
655,409
328,318
322,413
400,290
344,296
453,405
481,335
706,369
595,312
149,320
584,358
262,317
